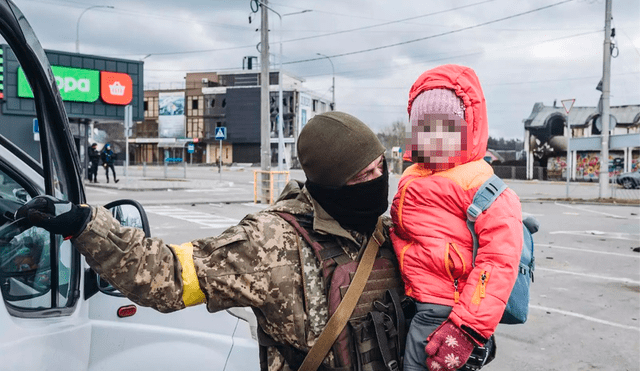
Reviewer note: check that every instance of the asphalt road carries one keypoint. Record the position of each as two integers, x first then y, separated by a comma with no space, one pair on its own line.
585,303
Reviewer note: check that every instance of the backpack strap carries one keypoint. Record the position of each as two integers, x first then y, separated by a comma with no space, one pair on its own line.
484,197
339,319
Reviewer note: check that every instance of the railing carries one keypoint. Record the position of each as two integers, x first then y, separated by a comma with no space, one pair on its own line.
173,165
268,188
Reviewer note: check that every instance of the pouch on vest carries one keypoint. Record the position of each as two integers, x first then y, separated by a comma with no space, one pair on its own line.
374,336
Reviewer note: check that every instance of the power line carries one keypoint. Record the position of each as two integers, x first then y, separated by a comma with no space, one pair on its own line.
459,56
387,23
360,69
434,36
331,33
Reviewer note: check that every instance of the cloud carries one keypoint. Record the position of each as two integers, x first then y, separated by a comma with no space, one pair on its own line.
555,53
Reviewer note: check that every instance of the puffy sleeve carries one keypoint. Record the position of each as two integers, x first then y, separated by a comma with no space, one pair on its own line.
489,285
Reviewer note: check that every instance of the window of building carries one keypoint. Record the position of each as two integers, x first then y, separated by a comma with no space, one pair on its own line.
194,103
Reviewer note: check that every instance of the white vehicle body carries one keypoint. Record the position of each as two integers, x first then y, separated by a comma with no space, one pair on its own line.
53,315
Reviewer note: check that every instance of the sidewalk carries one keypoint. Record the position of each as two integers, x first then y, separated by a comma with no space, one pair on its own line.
152,178
155,178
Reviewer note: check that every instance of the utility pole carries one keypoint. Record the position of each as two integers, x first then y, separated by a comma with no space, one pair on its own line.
604,115
265,117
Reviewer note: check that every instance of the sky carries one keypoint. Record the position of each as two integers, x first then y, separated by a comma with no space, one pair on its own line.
522,51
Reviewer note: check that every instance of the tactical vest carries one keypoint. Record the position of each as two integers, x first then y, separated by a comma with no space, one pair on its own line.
375,335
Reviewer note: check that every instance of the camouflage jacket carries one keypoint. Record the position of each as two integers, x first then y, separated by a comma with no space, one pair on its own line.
260,263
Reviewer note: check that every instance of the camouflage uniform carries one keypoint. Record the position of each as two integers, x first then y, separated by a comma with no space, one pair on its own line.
260,263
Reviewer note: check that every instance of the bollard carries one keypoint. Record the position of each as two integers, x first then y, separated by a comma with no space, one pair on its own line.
165,168
184,165
144,169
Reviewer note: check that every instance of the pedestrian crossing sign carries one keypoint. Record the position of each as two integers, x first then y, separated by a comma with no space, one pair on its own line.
221,133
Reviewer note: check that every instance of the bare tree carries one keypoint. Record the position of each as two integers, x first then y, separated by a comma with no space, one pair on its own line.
393,135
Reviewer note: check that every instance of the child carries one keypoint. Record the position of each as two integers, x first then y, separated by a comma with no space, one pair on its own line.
459,304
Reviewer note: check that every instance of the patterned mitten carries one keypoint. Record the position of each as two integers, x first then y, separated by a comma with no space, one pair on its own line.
448,348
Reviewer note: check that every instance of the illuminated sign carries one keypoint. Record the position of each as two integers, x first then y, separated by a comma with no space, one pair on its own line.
83,85
75,84
116,88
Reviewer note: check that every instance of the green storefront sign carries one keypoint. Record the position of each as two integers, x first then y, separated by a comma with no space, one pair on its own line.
75,84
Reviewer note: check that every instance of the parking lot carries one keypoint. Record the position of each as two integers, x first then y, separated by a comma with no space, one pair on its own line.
585,303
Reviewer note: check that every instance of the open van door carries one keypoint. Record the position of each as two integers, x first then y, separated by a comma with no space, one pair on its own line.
43,323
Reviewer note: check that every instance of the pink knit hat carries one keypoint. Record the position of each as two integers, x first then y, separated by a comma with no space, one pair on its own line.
442,101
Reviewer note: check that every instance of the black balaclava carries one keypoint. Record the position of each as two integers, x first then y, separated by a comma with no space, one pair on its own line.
356,206
332,148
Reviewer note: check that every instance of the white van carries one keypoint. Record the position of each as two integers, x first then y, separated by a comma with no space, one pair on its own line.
55,312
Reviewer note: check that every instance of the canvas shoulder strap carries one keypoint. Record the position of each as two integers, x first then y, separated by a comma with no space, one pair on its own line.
484,197
339,319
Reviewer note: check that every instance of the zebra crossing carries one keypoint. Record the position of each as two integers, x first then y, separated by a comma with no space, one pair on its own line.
206,220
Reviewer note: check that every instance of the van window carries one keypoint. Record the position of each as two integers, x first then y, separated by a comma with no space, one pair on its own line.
25,263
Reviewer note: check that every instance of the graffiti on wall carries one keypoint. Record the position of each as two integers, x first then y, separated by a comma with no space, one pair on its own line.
588,165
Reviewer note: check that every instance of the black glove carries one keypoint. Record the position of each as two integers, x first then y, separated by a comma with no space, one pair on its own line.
56,216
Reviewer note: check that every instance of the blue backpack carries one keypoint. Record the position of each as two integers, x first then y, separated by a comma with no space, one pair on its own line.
518,303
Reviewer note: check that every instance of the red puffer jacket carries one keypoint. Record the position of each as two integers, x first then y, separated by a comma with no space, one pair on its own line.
431,239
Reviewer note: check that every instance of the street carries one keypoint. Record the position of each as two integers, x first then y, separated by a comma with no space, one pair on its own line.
585,300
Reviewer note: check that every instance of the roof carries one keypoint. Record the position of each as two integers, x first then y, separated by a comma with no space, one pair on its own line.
580,116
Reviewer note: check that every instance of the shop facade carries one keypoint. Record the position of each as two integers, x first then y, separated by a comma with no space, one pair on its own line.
95,91
549,132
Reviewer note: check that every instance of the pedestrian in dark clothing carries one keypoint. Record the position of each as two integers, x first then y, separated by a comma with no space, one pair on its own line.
94,160
108,158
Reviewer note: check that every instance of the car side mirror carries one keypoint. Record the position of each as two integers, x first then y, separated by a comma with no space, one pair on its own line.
129,213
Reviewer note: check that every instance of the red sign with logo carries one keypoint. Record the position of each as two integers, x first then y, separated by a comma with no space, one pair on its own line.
116,88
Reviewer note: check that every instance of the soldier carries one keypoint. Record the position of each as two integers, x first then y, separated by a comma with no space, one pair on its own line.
261,262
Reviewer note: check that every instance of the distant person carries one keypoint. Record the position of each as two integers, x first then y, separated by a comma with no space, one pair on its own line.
108,158
94,160
459,303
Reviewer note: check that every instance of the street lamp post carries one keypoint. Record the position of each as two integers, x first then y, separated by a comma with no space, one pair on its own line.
78,23
333,82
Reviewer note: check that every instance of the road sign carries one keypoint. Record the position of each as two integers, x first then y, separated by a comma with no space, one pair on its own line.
568,104
191,148
36,130
221,133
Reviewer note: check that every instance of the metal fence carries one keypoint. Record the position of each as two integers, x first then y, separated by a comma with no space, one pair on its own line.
170,170
519,172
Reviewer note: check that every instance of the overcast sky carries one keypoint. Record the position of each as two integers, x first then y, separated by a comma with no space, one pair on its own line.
523,51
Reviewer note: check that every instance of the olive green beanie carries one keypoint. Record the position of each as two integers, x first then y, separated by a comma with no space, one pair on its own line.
335,146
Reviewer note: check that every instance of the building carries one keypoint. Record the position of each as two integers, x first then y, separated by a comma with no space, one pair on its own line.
231,100
546,139
94,89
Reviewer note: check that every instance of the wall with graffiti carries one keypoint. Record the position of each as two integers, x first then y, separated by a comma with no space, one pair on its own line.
588,165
